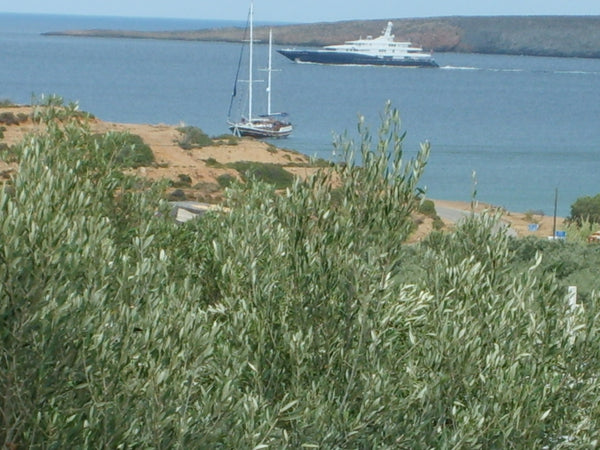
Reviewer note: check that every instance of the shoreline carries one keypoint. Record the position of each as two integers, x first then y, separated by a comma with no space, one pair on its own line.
205,165
549,36
518,221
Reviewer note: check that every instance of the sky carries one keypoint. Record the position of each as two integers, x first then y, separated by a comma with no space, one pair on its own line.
301,11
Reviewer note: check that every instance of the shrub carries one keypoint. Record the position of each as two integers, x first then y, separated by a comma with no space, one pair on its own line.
79,220
438,223
427,207
283,323
586,209
184,180
128,150
580,232
9,153
266,172
177,195
573,263
8,118
209,188
212,162
229,139
52,107
226,180
192,137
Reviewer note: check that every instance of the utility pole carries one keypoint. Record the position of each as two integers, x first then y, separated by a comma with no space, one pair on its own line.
555,207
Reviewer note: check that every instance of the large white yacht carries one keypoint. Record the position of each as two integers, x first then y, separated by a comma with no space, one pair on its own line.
381,51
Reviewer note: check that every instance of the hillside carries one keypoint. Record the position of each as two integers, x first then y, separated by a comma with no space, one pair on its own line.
566,36
201,166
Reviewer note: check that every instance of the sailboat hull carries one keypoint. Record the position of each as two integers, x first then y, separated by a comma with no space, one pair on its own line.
261,129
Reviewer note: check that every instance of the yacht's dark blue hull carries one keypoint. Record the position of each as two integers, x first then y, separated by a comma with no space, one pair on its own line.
329,57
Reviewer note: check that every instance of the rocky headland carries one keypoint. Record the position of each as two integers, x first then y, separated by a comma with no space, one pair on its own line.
564,36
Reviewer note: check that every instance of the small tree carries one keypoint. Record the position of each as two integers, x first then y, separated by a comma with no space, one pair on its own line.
193,137
586,209
126,149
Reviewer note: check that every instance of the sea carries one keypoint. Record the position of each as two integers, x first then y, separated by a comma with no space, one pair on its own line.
518,132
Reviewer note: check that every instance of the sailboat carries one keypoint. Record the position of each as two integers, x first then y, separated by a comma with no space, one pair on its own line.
269,125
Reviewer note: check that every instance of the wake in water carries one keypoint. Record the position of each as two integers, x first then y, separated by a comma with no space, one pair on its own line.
575,72
491,69
481,69
459,68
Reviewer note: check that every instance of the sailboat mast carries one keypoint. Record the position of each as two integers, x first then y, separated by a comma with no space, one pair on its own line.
269,74
250,61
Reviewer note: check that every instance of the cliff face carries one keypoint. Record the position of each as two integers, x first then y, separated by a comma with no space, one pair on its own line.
577,36
538,36
521,35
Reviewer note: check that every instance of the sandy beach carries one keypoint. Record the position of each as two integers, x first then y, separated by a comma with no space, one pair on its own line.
171,161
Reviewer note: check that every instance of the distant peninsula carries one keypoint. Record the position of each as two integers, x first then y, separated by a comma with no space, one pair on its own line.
565,36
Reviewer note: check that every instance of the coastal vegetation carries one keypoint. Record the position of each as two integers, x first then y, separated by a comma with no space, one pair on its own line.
9,118
272,174
128,150
567,36
290,321
427,208
586,209
192,137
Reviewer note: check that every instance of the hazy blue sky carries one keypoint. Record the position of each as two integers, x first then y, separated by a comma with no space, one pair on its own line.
302,10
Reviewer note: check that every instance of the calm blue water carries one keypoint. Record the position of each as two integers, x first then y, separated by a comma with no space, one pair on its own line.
526,125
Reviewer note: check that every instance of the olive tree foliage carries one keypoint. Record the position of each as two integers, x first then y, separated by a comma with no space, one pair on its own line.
81,286
505,361
288,322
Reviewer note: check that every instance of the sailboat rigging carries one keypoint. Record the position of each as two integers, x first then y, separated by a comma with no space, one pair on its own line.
261,126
